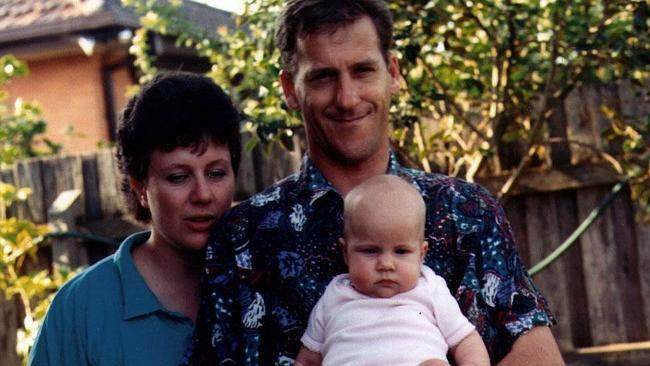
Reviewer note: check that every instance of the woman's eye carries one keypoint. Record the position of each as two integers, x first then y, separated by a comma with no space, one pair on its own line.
176,178
216,173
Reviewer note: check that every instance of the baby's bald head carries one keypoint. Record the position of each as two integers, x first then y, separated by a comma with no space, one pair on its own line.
387,199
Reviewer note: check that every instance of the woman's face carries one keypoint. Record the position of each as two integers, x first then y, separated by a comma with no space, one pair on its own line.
187,192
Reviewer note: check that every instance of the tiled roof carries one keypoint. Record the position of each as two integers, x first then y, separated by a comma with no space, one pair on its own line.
25,19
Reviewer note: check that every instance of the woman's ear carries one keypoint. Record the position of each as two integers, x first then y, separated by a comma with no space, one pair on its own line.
344,246
138,188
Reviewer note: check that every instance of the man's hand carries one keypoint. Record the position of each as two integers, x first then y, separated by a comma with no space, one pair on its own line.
308,358
537,347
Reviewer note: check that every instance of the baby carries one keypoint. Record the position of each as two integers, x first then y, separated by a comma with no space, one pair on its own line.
389,309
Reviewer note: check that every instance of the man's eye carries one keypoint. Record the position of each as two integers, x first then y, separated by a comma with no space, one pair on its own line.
320,77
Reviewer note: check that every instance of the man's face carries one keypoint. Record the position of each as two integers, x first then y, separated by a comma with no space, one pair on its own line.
343,86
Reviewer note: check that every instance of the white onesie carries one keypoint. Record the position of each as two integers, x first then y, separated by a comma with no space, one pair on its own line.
349,328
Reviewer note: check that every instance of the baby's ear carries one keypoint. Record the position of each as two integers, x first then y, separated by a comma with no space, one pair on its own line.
424,247
344,246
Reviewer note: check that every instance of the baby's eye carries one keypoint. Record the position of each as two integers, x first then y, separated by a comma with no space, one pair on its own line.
369,250
402,251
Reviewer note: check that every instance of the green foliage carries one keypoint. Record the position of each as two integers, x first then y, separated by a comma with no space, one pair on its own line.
19,276
635,137
20,123
480,77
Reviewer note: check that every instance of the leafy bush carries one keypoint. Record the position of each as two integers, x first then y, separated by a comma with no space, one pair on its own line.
19,274
482,78
22,122
21,127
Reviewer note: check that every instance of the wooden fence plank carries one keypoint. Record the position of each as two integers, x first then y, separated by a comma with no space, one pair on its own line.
7,177
9,319
246,185
276,164
642,231
110,180
602,273
93,201
565,203
560,151
625,242
28,174
578,123
542,224
61,174
557,179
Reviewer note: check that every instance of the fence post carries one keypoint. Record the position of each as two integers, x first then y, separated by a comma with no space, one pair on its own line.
62,216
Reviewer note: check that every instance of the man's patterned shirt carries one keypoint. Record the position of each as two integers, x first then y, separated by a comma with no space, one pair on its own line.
270,259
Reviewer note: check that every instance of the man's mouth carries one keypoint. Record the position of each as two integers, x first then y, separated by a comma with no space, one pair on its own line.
348,118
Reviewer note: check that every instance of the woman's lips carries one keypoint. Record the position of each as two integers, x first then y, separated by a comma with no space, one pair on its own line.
200,222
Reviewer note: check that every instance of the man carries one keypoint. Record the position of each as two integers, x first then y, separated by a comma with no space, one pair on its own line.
270,259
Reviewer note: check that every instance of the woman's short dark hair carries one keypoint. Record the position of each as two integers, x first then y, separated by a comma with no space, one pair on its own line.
301,17
176,109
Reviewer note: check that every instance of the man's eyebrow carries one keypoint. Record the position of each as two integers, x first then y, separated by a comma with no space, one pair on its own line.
321,71
367,62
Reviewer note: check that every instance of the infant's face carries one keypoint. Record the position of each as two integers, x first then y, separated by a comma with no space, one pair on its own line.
384,255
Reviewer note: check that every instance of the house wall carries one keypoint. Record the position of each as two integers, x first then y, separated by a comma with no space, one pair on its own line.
69,90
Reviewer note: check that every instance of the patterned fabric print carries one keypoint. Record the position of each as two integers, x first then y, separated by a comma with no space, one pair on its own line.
276,253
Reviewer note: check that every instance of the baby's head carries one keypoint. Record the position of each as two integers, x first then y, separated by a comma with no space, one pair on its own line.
383,236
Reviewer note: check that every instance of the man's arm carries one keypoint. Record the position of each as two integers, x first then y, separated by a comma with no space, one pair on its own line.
308,358
537,347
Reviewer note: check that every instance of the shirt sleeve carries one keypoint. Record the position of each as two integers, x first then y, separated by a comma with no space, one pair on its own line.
57,342
314,337
506,303
453,325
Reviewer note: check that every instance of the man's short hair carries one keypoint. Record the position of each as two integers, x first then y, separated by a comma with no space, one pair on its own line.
301,17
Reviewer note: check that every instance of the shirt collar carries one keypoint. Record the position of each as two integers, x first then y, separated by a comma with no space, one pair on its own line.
138,298
313,182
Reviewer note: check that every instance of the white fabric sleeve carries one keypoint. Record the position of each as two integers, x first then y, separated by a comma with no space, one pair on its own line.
453,325
314,337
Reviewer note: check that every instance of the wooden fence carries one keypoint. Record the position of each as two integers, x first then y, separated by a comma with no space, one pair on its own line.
599,289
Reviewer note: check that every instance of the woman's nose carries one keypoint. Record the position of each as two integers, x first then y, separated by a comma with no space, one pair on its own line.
202,191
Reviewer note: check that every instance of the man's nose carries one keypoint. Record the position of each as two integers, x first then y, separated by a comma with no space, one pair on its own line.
347,96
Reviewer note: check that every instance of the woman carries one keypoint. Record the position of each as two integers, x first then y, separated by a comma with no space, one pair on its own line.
178,150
